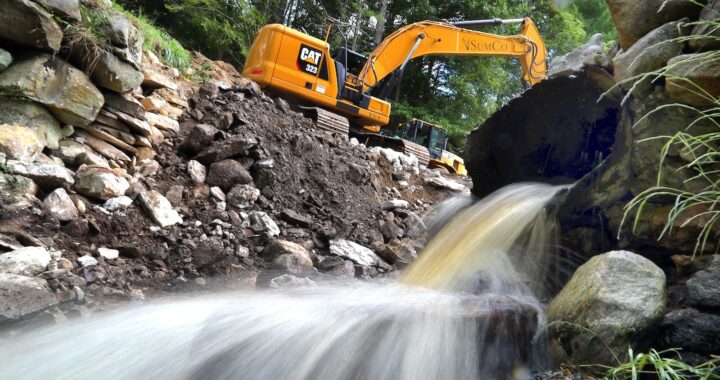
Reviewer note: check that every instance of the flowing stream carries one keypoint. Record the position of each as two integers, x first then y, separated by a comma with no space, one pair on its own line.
467,309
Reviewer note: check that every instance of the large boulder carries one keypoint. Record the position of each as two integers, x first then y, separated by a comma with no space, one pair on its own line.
27,261
65,90
634,19
21,296
649,53
19,142
34,116
616,297
707,28
100,183
26,23
68,9
694,79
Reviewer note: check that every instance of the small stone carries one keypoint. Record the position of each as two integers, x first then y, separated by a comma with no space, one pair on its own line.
394,203
228,173
262,222
175,194
118,203
60,206
159,208
243,196
217,193
197,171
108,254
296,218
87,261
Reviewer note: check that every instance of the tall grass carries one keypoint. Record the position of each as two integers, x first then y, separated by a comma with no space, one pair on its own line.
659,365
700,150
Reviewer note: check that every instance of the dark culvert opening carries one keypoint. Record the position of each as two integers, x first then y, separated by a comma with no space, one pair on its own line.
556,132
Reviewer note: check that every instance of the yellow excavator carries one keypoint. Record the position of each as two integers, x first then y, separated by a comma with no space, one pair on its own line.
344,89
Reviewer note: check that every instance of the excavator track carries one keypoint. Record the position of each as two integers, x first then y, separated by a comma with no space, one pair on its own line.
326,120
418,150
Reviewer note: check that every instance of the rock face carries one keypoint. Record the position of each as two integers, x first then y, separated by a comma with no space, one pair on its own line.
60,206
704,74
355,252
704,286
65,90
618,295
21,296
27,261
634,19
68,9
100,183
649,53
159,208
26,23
19,142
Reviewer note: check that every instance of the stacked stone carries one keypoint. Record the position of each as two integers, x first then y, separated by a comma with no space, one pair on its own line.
86,122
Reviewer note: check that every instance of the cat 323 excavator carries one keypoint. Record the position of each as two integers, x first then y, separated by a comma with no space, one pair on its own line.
346,91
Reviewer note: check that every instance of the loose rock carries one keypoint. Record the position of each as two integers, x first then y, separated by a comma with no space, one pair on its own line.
60,206
21,296
100,183
159,208
355,252
27,261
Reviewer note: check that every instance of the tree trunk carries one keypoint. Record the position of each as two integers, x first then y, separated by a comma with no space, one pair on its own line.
380,27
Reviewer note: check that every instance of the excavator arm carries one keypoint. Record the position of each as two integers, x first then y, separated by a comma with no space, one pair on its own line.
435,38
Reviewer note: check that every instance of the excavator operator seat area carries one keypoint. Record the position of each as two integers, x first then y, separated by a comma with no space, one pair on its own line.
354,62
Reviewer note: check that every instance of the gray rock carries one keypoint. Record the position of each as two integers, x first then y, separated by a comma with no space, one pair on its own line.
27,261
60,205
155,79
292,263
262,222
87,261
691,330
162,122
197,171
690,75
21,296
619,296
650,53
633,19
591,53
445,183
107,70
279,247
228,173
5,59
125,38
34,116
394,203
708,28
355,252
237,146
346,269
69,150
175,195
704,286
118,203
200,138
296,218
47,176
242,196
17,188
68,9
100,183
399,252
159,208
26,23
290,281
125,103
63,89
108,253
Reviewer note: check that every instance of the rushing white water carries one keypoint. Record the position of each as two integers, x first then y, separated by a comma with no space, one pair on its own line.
353,330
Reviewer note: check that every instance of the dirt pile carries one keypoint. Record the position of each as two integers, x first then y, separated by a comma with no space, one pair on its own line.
245,192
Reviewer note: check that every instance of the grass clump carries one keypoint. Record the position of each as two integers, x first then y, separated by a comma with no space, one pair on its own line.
661,365
158,41
701,151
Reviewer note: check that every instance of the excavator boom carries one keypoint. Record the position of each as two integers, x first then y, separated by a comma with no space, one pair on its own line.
434,38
